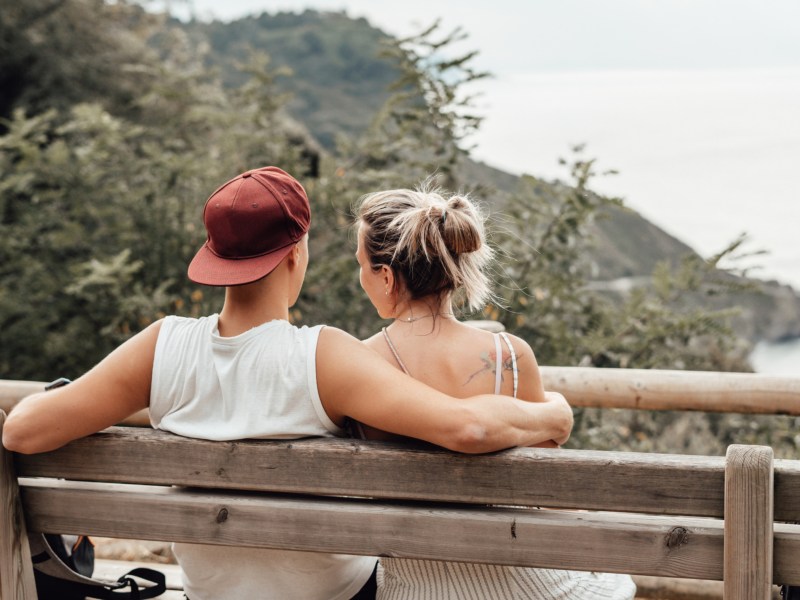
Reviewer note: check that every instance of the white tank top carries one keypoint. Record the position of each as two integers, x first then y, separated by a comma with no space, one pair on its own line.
260,384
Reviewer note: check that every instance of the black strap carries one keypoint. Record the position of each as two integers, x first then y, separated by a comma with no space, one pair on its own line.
157,578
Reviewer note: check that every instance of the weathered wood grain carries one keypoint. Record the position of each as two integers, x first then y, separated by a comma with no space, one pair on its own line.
16,568
786,554
665,484
647,389
787,490
748,522
14,390
668,546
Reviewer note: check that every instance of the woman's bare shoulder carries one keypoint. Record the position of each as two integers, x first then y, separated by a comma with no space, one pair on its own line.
522,348
374,340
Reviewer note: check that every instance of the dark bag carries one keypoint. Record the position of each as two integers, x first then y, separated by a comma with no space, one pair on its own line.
790,592
63,566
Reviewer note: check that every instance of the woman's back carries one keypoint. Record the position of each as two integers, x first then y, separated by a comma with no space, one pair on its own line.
461,360
456,358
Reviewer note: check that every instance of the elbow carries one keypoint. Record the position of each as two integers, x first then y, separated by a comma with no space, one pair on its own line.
564,426
20,435
472,437
15,440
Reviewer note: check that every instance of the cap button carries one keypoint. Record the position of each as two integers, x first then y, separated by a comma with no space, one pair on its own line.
246,174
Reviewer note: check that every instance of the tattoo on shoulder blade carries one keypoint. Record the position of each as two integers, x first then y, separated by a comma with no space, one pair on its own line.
489,360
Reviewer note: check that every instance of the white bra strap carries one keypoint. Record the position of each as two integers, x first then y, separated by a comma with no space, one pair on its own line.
514,370
498,367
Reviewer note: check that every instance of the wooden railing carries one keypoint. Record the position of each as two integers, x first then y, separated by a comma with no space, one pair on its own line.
643,389
647,389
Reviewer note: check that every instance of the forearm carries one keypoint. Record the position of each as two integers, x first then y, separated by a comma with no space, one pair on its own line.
36,425
507,422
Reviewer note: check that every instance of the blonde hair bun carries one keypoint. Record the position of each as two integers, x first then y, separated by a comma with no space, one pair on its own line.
435,242
462,227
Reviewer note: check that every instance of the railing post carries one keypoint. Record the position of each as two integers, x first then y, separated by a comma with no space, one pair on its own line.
748,523
16,569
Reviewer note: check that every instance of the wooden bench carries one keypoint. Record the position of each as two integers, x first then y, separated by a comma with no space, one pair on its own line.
653,514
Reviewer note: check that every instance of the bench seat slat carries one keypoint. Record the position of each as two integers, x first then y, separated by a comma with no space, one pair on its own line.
666,546
535,477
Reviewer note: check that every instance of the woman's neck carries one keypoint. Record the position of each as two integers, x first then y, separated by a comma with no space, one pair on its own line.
430,308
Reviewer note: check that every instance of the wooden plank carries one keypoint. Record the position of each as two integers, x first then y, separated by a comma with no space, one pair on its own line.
786,554
14,390
16,568
647,389
667,546
787,490
665,484
670,588
748,522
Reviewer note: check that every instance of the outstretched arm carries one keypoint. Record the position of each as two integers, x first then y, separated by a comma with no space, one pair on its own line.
114,389
356,382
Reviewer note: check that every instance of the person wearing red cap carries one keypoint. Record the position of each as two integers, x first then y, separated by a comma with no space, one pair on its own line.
248,373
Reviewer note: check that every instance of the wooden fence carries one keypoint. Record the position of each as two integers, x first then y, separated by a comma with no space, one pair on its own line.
643,389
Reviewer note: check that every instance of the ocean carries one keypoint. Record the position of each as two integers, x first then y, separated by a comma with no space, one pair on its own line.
777,358
706,155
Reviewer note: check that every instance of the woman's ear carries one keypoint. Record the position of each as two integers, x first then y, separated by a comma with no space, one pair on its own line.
387,275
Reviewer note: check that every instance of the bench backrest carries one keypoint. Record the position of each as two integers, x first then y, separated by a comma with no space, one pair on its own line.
650,514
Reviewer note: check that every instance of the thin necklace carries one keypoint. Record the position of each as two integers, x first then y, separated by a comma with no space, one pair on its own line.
429,316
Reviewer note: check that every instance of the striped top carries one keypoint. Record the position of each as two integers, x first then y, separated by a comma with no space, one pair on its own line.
412,579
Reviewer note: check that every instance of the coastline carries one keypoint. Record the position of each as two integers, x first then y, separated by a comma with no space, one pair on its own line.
777,358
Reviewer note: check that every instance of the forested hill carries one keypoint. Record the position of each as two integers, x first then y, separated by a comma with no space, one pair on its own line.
339,76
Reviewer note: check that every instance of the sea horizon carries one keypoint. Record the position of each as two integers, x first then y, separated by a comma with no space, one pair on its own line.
705,154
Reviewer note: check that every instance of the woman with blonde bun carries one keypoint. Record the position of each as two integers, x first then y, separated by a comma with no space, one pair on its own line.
420,252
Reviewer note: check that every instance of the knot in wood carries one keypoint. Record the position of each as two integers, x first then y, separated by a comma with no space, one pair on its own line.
676,537
222,515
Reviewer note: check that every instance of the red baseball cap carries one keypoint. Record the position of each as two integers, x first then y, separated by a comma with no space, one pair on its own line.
253,221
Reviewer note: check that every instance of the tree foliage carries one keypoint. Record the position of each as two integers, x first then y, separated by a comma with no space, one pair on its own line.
105,172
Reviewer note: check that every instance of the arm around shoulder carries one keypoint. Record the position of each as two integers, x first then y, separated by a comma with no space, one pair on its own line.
115,388
354,381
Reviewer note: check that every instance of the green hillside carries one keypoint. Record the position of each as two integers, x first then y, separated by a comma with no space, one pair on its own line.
338,79
338,83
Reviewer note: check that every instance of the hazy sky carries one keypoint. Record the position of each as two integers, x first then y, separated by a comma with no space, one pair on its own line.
694,101
553,35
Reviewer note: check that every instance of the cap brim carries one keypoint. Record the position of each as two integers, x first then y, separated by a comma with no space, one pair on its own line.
209,269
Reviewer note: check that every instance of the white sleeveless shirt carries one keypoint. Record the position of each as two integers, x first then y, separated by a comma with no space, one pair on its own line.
260,384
